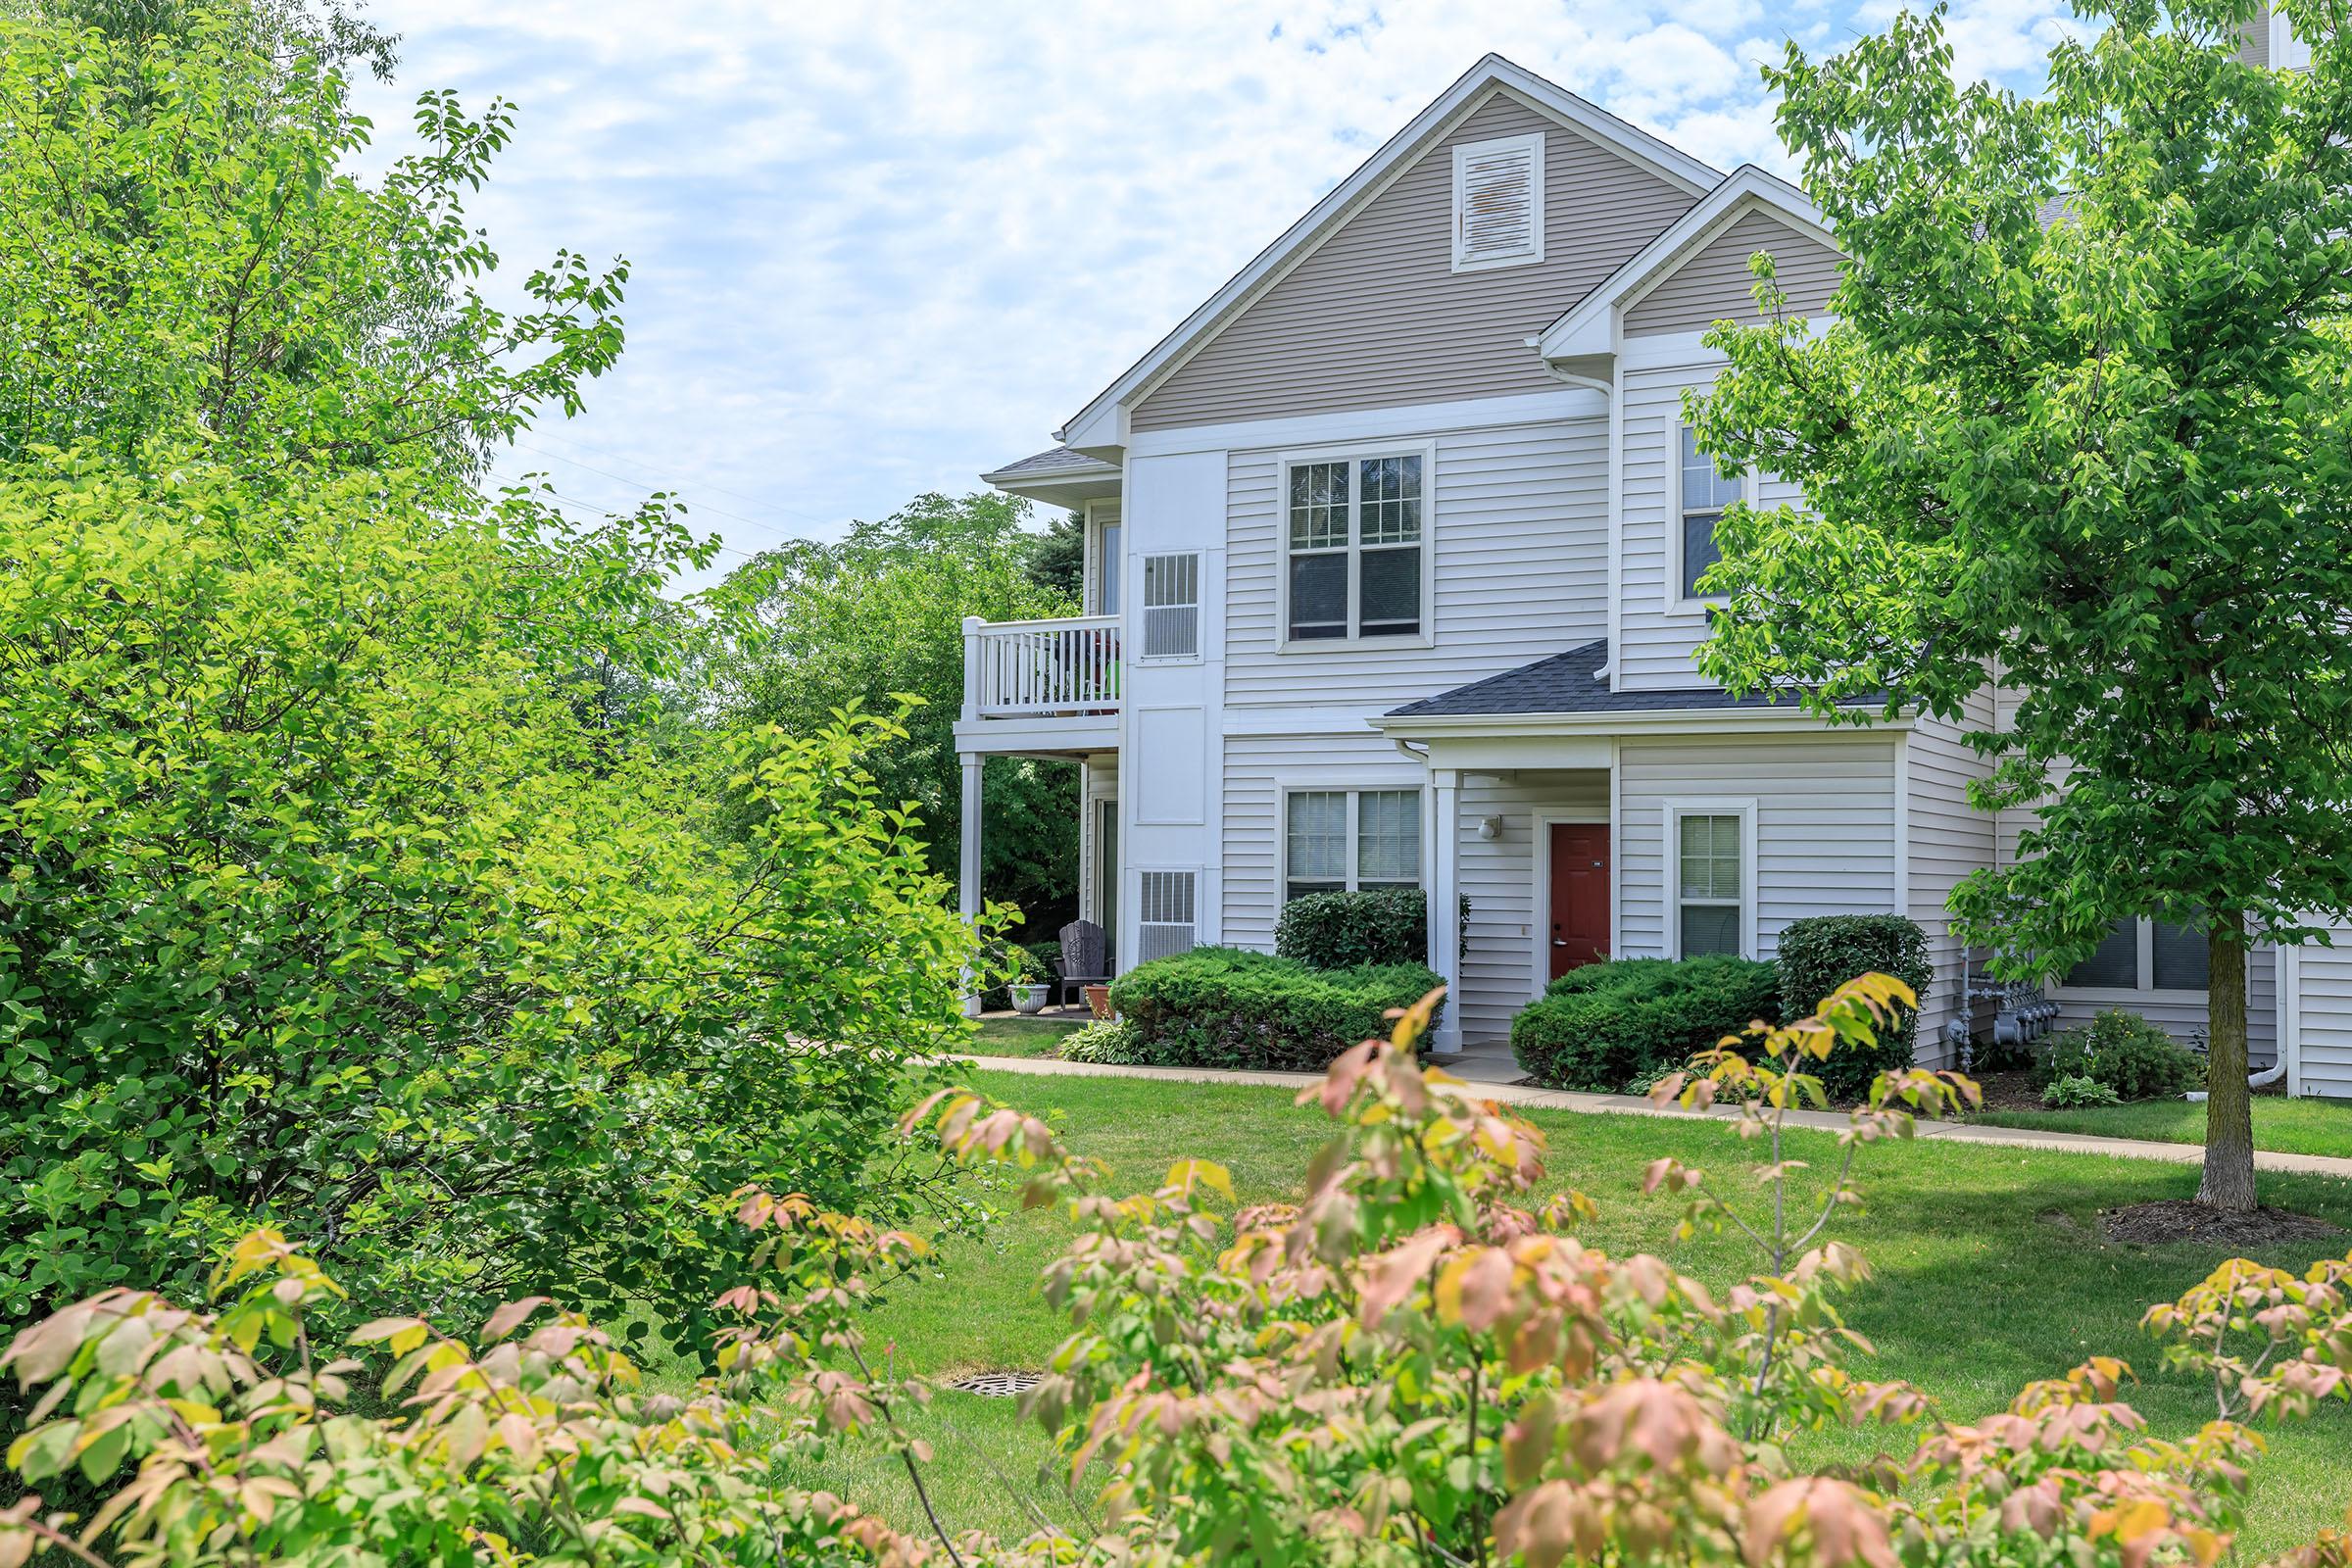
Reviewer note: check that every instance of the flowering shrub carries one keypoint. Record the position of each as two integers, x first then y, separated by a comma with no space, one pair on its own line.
1417,1363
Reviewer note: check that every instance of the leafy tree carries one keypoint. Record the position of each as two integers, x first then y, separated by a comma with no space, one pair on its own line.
882,611
185,251
1057,561
328,907
2079,428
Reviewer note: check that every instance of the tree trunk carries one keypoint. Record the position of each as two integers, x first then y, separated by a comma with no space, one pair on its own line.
2228,1102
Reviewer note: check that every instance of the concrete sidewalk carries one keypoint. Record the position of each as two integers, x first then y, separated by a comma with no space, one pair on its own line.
1635,1106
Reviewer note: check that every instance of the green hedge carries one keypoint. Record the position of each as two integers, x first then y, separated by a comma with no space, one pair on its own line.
1347,930
1612,1026
2124,1051
1226,1007
1819,955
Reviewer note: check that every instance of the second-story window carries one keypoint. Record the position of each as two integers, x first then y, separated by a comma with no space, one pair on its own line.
1705,494
1353,534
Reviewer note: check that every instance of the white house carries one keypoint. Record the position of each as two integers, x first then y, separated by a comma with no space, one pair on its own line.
1390,548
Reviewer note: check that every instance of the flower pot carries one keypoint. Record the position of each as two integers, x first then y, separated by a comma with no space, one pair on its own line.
1030,999
1098,998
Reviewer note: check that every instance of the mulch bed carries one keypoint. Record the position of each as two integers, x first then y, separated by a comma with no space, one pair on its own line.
2009,1090
2183,1219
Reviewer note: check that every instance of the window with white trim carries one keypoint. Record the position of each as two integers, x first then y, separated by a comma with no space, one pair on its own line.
1165,914
1352,547
2143,956
1172,606
1499,203
2288,52
1705,493
1347,841
1710,883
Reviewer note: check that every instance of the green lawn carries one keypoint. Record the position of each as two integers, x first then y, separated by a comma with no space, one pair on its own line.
1989,1273
2285,1126
1017,1036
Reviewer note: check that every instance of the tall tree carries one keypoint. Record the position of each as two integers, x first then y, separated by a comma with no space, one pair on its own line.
2083,425
881,613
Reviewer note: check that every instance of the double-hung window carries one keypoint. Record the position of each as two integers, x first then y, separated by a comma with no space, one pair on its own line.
1711,860
1705,494
1347,841
2143,956
1354,557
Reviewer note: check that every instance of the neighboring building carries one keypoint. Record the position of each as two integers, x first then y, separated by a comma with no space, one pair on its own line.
1390,548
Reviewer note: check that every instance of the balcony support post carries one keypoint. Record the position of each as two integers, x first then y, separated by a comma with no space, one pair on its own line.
1445,903
968,863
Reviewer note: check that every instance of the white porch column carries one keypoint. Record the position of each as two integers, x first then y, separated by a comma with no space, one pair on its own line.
1444,902
967,864
971,667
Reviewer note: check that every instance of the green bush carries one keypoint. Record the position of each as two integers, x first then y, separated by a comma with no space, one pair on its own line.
2075,1093
1226,1007
2124,1052
1819,955
1347,930
1111,1041
1610,1026
1012,964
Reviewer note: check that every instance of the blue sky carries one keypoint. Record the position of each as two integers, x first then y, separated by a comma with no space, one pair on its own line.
879,248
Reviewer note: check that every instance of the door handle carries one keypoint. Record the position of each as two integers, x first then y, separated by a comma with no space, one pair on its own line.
1559,942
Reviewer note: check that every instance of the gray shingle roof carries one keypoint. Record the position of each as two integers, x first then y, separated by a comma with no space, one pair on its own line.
1567,683
1057,461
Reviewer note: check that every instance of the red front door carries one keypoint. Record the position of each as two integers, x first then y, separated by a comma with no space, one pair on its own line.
1580,895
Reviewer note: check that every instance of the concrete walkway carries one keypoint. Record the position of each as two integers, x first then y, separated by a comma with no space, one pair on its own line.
1635,1106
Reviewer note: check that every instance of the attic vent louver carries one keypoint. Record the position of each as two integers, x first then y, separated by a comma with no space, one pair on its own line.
1499,203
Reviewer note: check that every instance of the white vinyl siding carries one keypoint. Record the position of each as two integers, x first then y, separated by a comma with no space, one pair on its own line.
2322,1015
1517,557
1259,772
1499,203
1824,828
1949,839
1501,970
1430,334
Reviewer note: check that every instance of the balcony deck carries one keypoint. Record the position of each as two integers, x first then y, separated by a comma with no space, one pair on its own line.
1048,688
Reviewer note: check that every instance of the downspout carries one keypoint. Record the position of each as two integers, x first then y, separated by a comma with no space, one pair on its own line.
1614,506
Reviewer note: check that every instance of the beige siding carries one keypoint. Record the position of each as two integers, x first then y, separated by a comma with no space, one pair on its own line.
1949,839
1376,315
1824,826
1519,544
1715,284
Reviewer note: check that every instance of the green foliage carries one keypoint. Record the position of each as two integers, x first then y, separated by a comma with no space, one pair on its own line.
2106,459
1113,1041
1056,561
187,255
328,906
2124,1051
1230,1008
881,613
1346,930
1608,1027
2076,1093
1821,952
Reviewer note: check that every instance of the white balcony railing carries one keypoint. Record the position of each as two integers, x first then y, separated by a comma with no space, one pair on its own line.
1035,669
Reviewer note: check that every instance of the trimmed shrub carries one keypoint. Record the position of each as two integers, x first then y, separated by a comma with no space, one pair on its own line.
2124,1052
1613,1026
1819,955
2073,1093
1226,1007
1111,1041
1347,930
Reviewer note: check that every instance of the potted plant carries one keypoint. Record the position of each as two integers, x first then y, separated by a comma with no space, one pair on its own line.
1098,1001
1030,987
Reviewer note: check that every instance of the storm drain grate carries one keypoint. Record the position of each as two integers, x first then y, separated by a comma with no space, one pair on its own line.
996,1384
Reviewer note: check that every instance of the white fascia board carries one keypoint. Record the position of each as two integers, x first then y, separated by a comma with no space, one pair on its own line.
1649,721
1102,422
1589,326
1376,424
1300,721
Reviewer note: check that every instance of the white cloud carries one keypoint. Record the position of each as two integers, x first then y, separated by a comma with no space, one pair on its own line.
878,248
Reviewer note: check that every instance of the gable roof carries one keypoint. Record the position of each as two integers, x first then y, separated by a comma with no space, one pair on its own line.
1097,425
1573,683
1587,328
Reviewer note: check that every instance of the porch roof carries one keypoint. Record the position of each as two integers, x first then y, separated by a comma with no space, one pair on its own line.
1572,683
